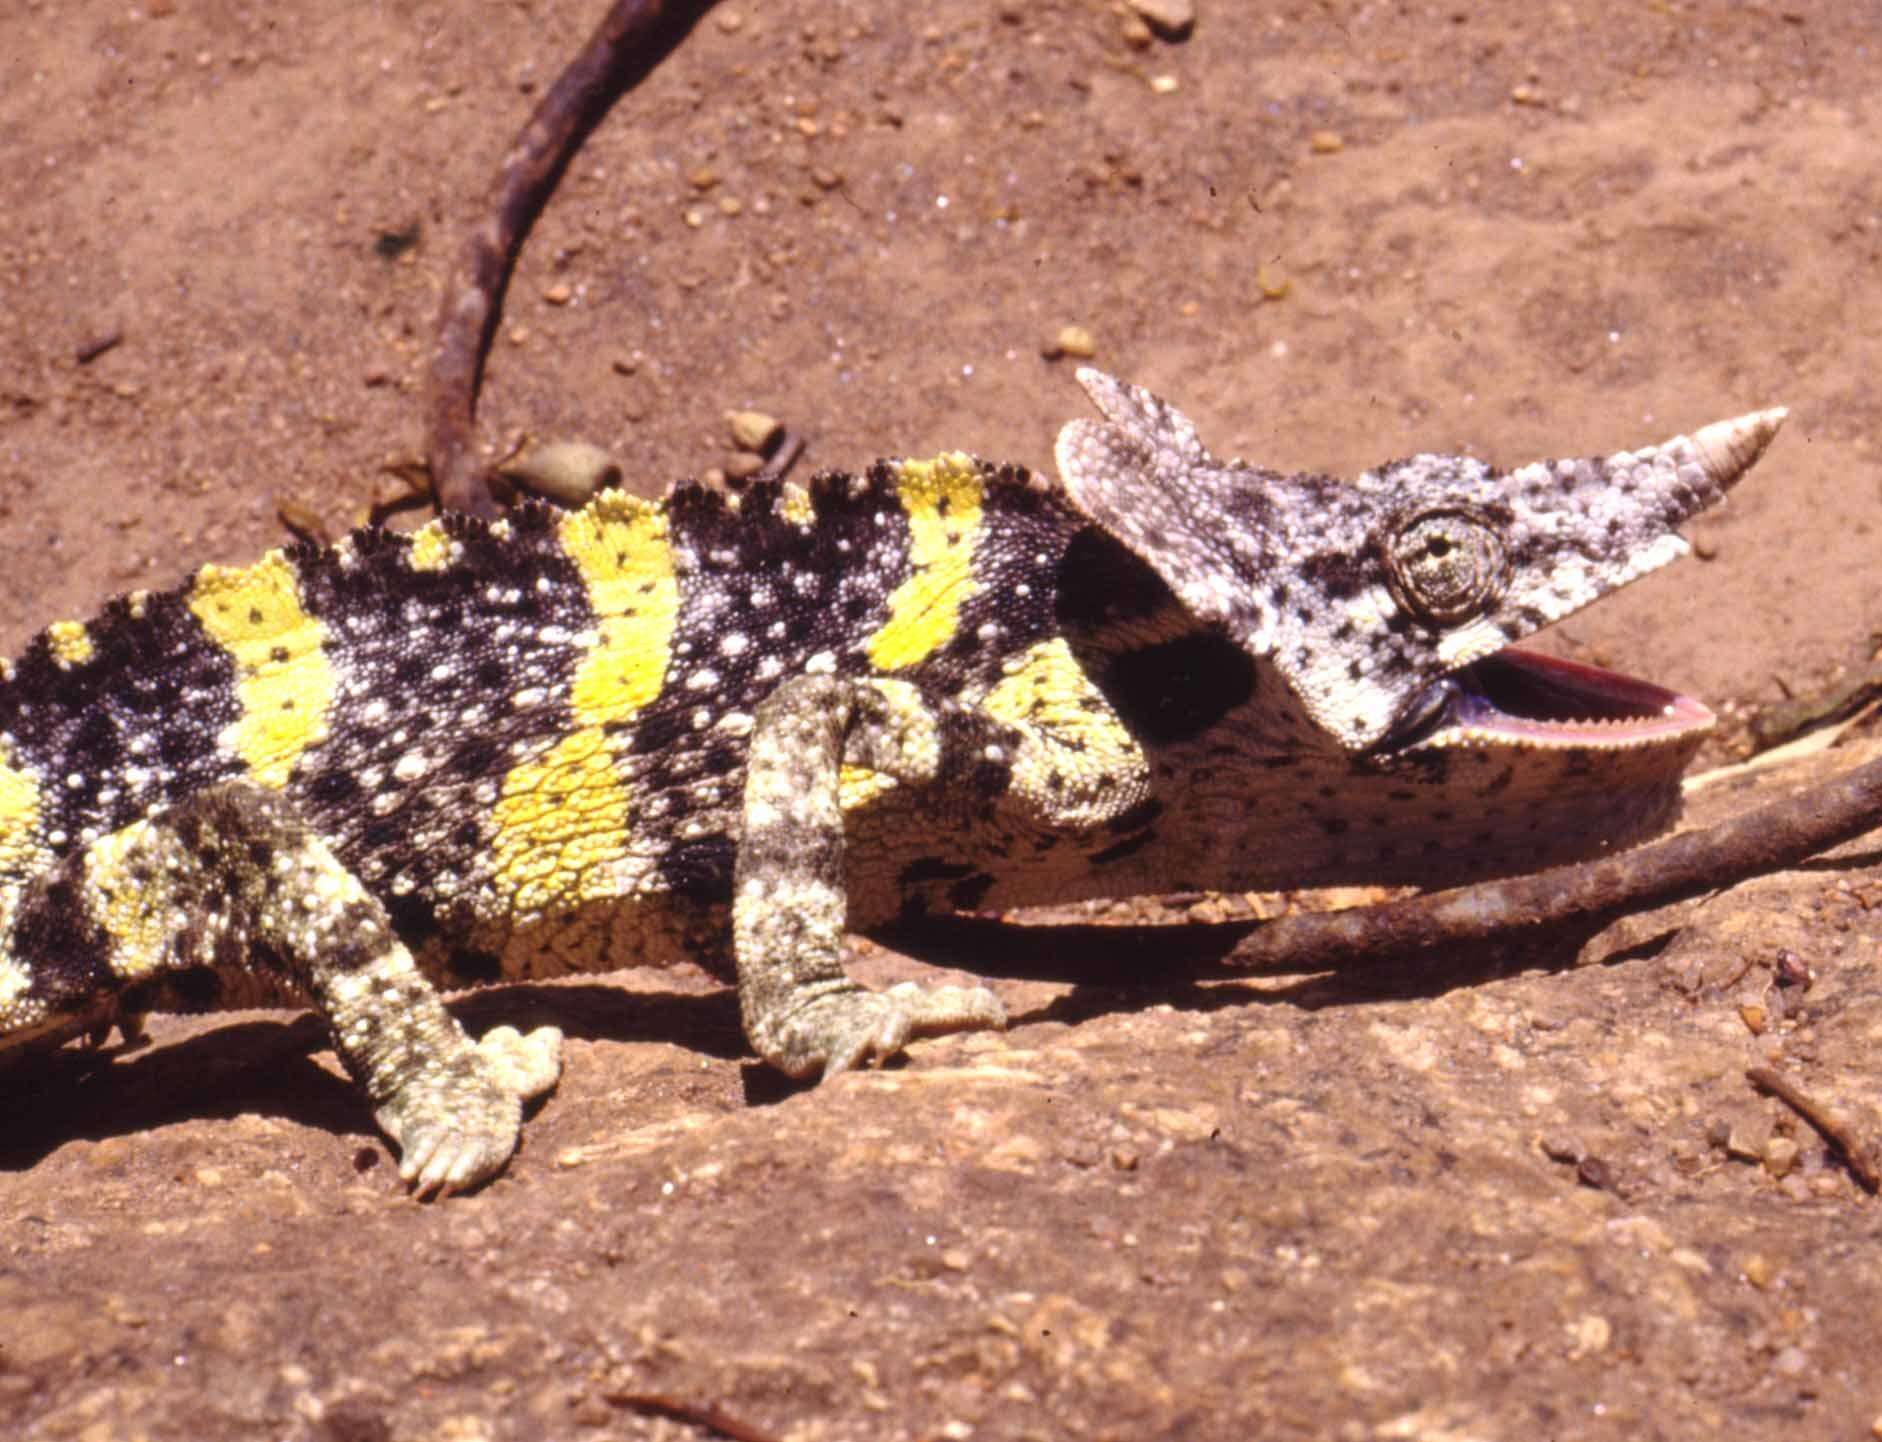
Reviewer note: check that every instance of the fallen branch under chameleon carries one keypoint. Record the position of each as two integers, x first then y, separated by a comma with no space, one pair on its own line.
1514,910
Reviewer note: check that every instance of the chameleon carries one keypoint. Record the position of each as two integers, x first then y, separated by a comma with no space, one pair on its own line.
729,728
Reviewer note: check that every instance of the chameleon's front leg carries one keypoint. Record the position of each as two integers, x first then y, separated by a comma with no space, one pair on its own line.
230,883
801,1011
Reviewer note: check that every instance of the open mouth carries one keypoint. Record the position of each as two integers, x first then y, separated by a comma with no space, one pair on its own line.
1524,698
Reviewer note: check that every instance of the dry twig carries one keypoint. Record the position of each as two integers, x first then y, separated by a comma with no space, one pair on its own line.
1517,909
1861,1165
635,36
704,1414
1676,869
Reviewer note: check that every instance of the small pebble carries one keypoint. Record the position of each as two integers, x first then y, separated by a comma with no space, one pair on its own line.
754,430
729,21
1791,1362
1596,1173
1274,285
1759,1270
1325,142
703,178
1563,1149
1164,84
1072,340
567,472
1172,19
559,293
1137,34
303,520
1527,95
1780,1156
1741,1146
1753,1016
741,467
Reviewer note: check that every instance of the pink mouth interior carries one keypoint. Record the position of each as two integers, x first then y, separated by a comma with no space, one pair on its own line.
1542,700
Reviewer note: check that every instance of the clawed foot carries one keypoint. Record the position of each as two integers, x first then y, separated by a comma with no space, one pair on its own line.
456,1123
841,1030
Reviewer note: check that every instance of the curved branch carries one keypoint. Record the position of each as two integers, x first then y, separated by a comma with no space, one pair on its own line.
1691,864
634,37
1515,910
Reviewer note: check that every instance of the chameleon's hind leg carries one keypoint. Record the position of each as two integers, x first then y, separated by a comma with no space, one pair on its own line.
227,899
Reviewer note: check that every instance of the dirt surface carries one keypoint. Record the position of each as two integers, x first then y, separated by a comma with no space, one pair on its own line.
1540,1205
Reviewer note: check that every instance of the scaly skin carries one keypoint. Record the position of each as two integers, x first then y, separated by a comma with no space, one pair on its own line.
726,730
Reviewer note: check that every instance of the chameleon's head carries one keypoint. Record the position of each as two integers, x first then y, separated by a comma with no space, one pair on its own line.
1386,603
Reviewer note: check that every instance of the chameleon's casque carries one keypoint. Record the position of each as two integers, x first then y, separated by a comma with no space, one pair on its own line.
726,728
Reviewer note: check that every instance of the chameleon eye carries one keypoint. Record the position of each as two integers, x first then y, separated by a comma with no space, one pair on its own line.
1445,566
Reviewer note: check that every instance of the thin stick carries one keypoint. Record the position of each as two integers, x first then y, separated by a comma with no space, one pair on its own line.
1834,1130
635,36
1517,909
705,1414
1769,839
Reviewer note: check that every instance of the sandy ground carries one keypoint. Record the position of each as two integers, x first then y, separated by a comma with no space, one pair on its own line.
1335,233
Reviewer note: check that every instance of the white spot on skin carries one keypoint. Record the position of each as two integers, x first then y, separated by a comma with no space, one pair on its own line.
704,679
734,643
821,664
770,668
411,766
529,696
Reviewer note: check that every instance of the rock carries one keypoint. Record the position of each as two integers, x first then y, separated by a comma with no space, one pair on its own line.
754,431
1780,1156
566,472
1072,340
1169,19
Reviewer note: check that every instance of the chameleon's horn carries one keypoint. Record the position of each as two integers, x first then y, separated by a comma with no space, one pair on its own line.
1727,449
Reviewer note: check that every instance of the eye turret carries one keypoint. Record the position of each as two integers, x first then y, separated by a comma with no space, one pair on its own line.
1445,565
